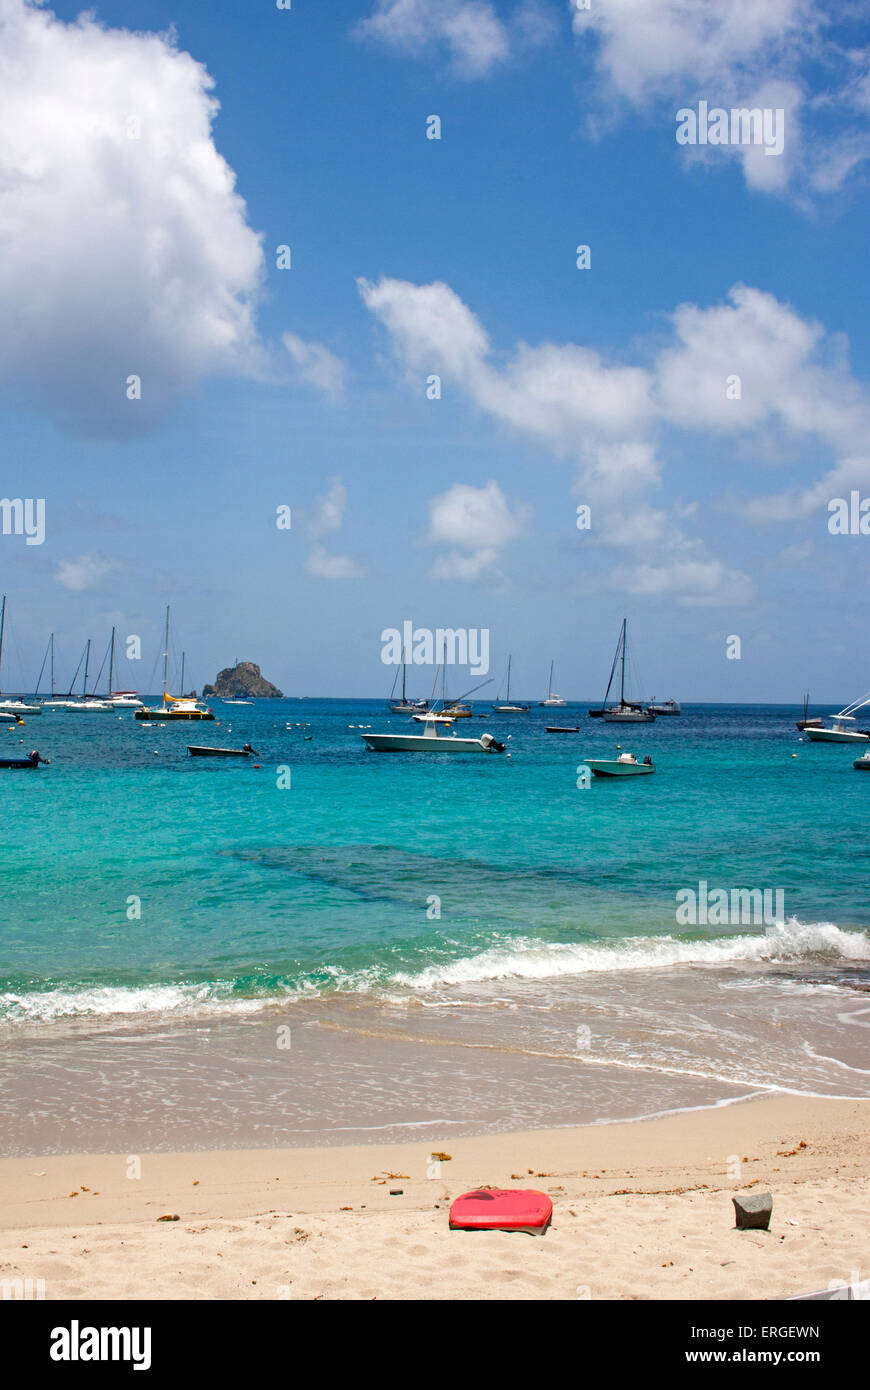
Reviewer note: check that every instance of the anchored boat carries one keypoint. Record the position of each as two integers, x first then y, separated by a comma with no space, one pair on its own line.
507,707
840,732
551,698
626,765
432,740
174,707
626,711
199,751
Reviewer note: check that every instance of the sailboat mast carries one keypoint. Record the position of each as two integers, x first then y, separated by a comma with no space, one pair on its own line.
508,699
622,677
403,675
182,672
111,663
166,656
550,682
87,660
52,665
2,627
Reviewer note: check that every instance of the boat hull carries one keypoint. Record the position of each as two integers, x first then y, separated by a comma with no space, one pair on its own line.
20,763
423,743
836,736
197,751
612,768
627,717
160,716
862,764
563,729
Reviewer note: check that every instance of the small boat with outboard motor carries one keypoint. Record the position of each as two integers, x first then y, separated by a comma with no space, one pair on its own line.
199,751
626,765
31,762
432,740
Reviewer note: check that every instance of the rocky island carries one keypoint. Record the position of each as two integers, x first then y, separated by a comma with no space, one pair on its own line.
242,682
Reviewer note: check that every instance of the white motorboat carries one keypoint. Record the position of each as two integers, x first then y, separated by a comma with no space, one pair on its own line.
840,732
551,698
432,740
626,765
125,699
19,707
862,764
235,702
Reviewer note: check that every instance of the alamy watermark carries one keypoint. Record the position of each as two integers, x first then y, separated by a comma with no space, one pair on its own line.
849,517
737,907
449,646
24,517
741,125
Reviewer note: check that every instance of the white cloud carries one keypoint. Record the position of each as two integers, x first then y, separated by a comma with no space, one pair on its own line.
650,48
471,31
474,517
326,566
317,365
478,522
792,374
120,256
327,518
479,564
84,572
657,56
330,508
796,390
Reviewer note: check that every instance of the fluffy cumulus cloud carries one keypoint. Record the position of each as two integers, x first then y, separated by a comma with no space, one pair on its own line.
476,523
326,519
124,246
657,56
751,369
473,35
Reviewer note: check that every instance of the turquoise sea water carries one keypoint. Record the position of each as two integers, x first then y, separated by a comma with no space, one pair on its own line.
253,896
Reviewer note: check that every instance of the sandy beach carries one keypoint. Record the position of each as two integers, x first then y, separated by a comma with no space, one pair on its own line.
641,1211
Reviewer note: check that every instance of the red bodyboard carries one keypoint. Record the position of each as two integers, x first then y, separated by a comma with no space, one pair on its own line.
502,1209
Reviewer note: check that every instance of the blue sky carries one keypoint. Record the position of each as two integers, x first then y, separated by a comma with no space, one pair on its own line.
410,256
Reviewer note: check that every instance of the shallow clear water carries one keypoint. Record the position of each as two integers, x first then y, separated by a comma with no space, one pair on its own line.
558,901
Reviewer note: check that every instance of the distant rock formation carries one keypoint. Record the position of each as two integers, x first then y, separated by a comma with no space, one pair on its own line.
242,682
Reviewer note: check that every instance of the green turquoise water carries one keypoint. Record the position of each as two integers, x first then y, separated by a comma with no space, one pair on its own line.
477,908
248,890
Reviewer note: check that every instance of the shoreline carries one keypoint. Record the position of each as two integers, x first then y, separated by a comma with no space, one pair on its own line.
642,1209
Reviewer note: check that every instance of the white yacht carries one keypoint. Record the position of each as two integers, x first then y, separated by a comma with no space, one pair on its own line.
551,698
432,740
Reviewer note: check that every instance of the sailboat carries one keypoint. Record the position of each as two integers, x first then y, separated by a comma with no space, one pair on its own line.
806,723
507,707
626,711
13,707
840,732
94,705
551,698
405,706
174,706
